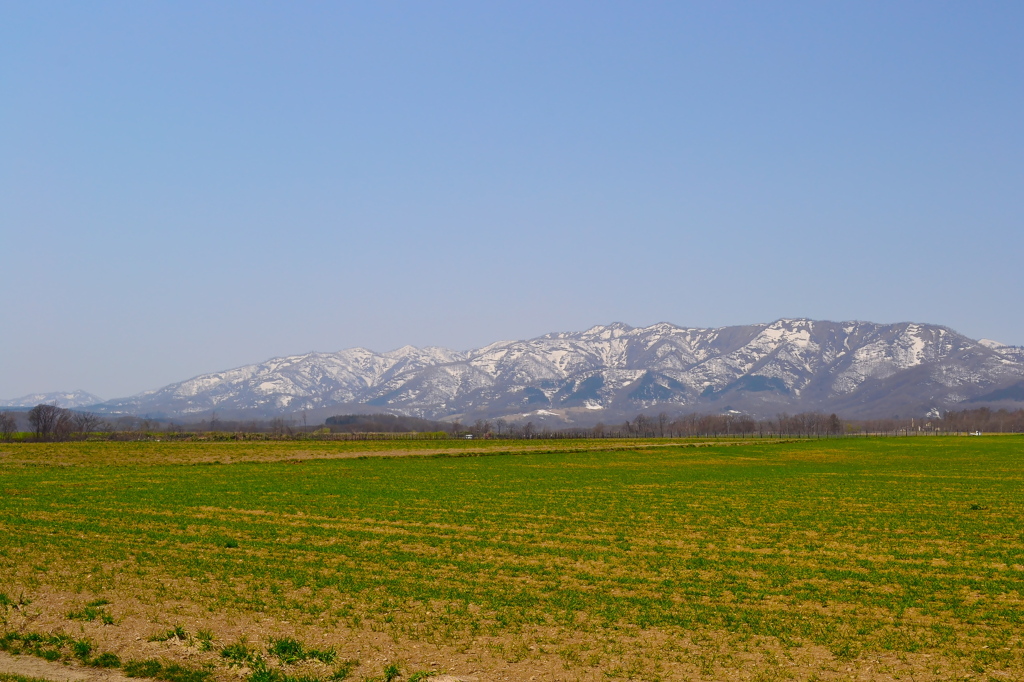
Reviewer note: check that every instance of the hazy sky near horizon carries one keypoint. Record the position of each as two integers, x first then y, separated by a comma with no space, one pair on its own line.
187,187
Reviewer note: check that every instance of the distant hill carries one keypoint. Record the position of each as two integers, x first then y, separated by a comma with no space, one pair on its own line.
608,372
71,399
1013,393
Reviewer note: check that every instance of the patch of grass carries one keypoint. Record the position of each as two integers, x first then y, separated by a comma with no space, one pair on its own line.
205,639
239,654
106,660
56,647
177,632
393,671
420,675
170,672
147,668
7,602
289,650
323,655
344,670
91,611
82,649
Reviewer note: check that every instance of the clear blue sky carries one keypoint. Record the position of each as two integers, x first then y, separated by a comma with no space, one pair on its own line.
191,186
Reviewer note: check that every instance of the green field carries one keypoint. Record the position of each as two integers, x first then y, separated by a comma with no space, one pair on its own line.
833,559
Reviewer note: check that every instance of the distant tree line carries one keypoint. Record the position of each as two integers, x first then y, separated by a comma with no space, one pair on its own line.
52,423
981,419
382,423
49,422
664,425
804,424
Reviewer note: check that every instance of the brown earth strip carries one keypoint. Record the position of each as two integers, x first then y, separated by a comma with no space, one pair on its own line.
232,452
30,666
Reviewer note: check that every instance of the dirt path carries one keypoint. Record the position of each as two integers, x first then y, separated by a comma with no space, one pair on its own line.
298,455
30,666
113,454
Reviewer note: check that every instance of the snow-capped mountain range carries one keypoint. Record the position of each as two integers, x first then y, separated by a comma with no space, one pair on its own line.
857,369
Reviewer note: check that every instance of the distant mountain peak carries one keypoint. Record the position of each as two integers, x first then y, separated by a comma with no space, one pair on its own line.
611,330
67,399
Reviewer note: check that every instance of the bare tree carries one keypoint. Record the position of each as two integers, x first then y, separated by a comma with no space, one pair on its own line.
481,428
7,425
85,423
277,426
50,422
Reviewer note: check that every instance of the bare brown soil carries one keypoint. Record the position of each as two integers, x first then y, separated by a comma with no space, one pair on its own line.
29,666
227,452
547,654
